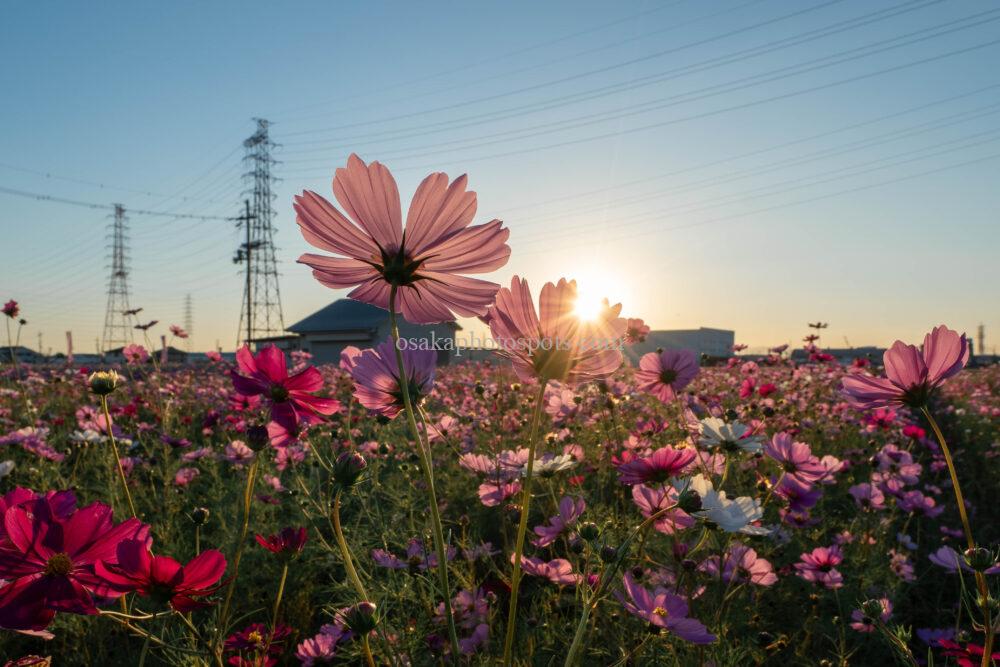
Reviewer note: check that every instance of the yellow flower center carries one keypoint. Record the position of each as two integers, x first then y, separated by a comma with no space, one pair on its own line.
660,611
255,637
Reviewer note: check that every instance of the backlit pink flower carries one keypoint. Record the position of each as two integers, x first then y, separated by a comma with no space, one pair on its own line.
11,309
570,509
425,263
291,397
741,563
659,466
636,331
666,373
664,610
135,354
177,331
795,458
376,377
552,343
819,566
558,571
911,375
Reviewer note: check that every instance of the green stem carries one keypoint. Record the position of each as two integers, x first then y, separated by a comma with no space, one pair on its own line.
277,600
367,651
114,449
428,469
522,527
984,591
345,552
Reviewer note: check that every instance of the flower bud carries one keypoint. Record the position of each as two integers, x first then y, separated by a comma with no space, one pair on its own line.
103,383
360,618
872,609
480,389
689,501
609,553
589,531
348,468
979,558
200,515
257,438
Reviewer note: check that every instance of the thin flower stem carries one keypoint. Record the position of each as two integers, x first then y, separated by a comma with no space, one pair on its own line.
984,591
368,652
277,599
118,458
247,500
522,527
345,552
428,469
578,645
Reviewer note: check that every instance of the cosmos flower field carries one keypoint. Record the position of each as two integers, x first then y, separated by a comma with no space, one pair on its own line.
557,505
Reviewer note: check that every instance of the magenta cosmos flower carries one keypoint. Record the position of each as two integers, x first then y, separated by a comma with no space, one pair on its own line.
664,610
289,542
658,467
291,396
48,555
552,343
911,375
664,374
376,377
424,263
11,309
819,566
163,578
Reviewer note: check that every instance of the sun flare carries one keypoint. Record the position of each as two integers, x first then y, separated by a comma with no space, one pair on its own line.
593,287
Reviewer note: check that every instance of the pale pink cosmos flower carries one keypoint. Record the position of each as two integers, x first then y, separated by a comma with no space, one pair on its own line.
377,384
652,499
558,571
348,357
636,331
664,610
424,263
552,343
570,509
795,458
912,375
238,453
741,563
135,354
664,374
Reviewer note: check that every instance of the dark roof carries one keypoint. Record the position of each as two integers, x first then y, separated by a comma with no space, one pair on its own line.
345,315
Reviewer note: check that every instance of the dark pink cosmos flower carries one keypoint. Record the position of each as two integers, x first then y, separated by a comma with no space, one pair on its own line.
666,373
664,610
425,263
48,556
658,467
161,577
795,458
911,375
376,377
257,645
11,309
553,343
291,397
570,509
970,655
819,566
289,542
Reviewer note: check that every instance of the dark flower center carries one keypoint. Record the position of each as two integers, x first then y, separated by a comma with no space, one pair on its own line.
416,397
789,466
917,397
398,269
554,363
59,565
668,375
278,393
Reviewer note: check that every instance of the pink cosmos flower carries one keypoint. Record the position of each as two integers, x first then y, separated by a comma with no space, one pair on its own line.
651,500
376,377
238,453
636,331
424,263
322,648
741,563
912,375
658,467
291,397
348,357
214,356
666,373
185,476
11,309
664,610
48,556
161,577
135,354
552,343
796,459
818,566
492,494
867,496
177,331
417,557
570,510
558,571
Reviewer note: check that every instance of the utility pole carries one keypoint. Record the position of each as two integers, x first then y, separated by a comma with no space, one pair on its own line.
40,343
117,330
188,321
244,254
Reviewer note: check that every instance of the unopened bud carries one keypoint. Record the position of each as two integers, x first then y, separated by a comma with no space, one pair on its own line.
609,553
361,618
872,608
200,515
103,383
689,501
257,438
348,468
589,531
979,558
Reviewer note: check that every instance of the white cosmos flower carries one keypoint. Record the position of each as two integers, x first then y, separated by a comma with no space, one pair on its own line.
731,515
6,468
717,433
89,436
550,464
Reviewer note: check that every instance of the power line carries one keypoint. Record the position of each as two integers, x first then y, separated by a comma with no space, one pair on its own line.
108,207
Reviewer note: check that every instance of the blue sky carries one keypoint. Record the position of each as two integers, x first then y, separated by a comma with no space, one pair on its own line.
746,164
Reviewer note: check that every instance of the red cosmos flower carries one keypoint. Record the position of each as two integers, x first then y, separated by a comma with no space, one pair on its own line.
659,466
290,396
968,656
161,577
290,541
49,553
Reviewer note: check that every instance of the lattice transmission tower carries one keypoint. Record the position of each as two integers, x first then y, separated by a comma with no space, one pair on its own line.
117,328
188,321
260,314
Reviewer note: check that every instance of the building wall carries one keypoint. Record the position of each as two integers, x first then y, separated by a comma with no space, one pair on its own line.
325,347
713,342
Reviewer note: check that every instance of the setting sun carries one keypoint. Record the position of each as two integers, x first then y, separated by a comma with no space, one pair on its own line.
593,287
